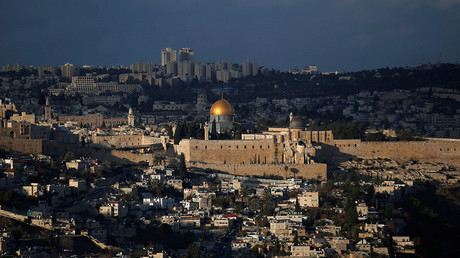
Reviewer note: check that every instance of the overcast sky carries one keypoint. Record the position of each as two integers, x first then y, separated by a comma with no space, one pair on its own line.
342,35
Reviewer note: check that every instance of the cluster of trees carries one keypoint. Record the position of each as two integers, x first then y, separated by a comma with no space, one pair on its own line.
402,136
161,189
341,130
6,197
186,130
157,234
432,221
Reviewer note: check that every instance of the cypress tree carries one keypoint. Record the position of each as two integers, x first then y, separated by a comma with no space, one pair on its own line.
182,166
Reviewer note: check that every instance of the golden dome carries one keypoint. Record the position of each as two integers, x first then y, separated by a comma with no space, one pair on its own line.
222,107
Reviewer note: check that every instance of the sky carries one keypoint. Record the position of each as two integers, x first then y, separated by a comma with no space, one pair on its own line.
335,35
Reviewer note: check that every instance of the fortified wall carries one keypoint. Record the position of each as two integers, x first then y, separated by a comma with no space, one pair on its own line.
53,148
21,145
129,140
97,120
306,171
229,151
122,157
445,151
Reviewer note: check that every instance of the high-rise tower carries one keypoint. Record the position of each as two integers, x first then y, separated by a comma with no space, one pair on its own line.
185,54
168,55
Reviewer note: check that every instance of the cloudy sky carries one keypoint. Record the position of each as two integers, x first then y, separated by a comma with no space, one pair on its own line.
342,35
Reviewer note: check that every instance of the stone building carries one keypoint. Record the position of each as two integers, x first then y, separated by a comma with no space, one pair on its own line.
309,199
94,120
265,153
222,115
131,118
7,108
23,117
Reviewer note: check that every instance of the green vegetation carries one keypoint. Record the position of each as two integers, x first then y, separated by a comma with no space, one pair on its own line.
182,166
341,130
185,130
163,234
432,221
161,189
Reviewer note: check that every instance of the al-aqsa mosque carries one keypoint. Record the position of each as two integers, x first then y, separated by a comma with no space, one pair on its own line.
256,154
222,114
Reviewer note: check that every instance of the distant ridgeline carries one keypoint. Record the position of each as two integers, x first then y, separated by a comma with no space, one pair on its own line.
344,84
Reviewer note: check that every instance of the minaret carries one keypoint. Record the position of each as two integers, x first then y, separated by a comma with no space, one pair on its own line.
131,118
47,110
206,131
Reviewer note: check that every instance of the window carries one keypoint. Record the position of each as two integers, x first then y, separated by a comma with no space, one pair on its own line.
245,146
237,146
253,146
221,147
205,147
196,147
261,146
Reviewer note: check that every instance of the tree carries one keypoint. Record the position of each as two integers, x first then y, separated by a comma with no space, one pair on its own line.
170,132
388,210
244,191
376,137
268,203
254,204
182,166
295,241
214,130
69,156
193,251
286,168
351,215
297,205
405,136
177,133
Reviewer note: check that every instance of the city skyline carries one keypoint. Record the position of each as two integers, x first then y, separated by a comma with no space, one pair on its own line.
342,35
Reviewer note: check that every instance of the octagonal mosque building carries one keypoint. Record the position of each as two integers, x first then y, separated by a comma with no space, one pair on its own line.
223,114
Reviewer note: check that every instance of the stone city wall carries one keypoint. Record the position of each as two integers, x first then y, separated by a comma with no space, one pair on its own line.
425,151
121,157
53,148
21,145
306,171
229,151
119,141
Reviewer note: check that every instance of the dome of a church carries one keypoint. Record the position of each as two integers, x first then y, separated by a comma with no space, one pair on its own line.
222,107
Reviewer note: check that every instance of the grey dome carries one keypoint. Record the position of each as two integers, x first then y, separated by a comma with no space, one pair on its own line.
296,122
